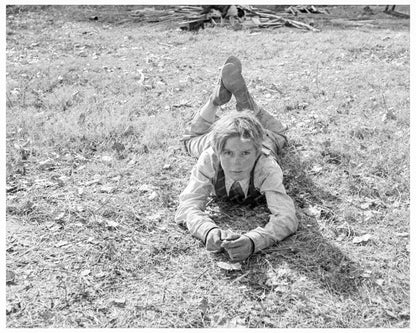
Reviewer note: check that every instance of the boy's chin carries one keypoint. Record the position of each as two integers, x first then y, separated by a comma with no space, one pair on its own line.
237,176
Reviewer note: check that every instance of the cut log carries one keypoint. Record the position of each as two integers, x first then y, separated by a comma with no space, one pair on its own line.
194,25
287,22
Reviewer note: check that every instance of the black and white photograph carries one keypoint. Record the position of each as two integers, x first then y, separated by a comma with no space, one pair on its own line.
207,165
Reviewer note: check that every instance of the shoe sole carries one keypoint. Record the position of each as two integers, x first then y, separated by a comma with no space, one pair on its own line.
234,82
232,79
224,95
235,61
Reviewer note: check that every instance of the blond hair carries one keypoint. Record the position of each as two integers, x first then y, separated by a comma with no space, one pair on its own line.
241,124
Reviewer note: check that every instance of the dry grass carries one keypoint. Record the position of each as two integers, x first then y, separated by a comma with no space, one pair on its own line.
95,111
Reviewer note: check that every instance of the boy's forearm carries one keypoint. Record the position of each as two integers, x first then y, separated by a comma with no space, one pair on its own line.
276,230
197,222
200,227
282,222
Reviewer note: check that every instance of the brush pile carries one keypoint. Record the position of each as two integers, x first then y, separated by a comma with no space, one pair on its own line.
238,17
295,10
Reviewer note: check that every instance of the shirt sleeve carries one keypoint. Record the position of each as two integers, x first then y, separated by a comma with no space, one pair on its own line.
193,200
283,221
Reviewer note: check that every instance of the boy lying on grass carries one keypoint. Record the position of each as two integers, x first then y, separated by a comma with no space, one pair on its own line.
236,162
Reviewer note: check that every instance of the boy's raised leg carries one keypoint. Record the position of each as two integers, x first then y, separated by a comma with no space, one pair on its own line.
197,136
221,95
233,81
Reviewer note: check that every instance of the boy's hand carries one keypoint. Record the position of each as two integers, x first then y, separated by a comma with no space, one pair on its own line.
239,249
216,237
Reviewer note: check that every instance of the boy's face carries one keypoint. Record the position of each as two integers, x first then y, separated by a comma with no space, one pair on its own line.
238,158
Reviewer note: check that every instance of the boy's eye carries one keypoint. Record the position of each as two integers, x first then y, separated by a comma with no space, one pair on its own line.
245,153
227,153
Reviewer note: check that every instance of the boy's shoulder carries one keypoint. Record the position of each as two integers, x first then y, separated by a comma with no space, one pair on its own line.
267,165
208,155
268,160
208,159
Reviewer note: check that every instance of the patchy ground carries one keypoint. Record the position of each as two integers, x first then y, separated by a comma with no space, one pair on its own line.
95,111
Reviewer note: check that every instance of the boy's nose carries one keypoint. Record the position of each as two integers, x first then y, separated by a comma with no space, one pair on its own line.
237,161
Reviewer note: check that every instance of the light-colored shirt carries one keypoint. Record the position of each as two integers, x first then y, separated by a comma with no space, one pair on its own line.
268,179
245,183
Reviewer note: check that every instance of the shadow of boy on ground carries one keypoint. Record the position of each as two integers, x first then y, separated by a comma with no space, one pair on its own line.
307,257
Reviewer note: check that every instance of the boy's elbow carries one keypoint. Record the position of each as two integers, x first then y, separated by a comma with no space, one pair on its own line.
295,224
179,216
293,228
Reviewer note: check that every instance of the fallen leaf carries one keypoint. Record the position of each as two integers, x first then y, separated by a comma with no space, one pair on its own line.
391,314
80,157
101,275
218,319
96,180
341,237
107,189
119,302
12,308
132,161
182,103
118,146
366,274
45,162
46,165
146,188
60,216
380,282
388,115
106,158
129,130
268,321
362,239
153,195
11,189
402,234
61,243
81,119
157,217
312,211
10,277
112,224
365,205
85,272
116,178
203,305
368,215
229,266
236,322
316,169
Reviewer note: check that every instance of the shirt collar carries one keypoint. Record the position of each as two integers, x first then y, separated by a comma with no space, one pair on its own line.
243,183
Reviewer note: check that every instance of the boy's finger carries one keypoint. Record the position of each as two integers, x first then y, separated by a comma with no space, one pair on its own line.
232,237
229,235
231,244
